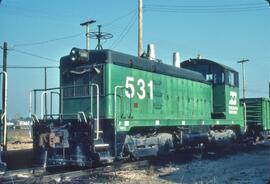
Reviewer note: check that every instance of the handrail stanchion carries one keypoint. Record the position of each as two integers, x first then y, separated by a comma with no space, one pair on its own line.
245,117
30,104
115,121
97,118
4,116
91,98
41,104
61,102
83,116
51,95
30,114
35,102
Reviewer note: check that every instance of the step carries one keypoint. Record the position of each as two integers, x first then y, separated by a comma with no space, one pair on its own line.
106,159
101,147
100,131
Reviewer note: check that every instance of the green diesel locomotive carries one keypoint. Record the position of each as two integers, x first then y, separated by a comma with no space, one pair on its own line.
115,106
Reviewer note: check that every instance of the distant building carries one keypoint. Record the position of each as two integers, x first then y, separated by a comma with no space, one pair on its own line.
20,124
10,124
23,123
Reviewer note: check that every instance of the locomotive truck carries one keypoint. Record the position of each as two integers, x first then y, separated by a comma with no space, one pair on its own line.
117,106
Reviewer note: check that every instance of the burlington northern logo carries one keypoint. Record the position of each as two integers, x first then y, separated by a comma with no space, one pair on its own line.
233,100
233,109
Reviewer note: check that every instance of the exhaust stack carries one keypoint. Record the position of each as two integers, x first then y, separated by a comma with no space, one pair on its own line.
176,59
199,56
151,54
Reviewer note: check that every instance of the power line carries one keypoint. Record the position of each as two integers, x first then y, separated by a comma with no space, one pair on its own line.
178,10
124,32
209,6
29,67
204,12
229,8
34,55
47,41
71,36
119,18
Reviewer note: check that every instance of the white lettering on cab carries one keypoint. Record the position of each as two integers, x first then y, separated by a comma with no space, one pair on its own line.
233,109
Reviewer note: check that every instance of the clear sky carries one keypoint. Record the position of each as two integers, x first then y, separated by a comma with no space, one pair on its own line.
40,32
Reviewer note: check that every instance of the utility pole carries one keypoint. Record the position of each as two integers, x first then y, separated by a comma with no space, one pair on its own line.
45,88
87,34
4,100
243,76
140,50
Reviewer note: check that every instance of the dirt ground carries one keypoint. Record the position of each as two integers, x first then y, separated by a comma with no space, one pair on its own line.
19,146
249,167
18,139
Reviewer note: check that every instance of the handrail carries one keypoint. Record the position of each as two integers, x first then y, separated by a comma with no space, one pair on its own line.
115,115
4,116
42,98
48,90
245,117
92,85
115,123
97,118
34,117
83,115
51,99
30,103
41,103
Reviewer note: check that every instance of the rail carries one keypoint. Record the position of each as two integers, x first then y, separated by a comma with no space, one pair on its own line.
39,174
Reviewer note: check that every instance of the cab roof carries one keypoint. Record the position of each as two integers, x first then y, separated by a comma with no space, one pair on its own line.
126,60
191,62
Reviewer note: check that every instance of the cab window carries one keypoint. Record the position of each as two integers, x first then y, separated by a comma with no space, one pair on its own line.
232,78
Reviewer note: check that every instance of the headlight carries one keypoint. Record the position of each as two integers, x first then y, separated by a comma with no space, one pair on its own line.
74,51
79,54
84,54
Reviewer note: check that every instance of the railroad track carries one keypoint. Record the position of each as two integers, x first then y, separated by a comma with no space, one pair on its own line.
39,175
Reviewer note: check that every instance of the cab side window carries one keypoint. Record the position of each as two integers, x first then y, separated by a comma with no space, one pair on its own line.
231,78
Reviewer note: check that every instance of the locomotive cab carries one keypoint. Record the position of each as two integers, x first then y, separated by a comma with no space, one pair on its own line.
225,87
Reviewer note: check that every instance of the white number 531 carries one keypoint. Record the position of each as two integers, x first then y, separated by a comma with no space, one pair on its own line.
141,93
